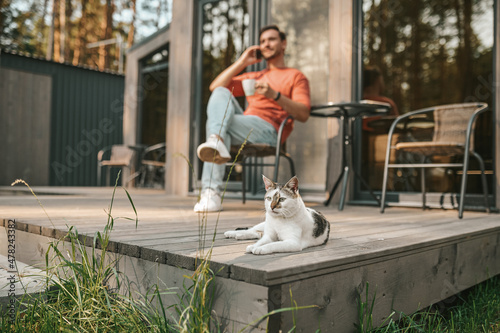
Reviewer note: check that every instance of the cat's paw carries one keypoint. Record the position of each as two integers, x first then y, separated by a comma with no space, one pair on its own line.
241,234
250,248
231,234
261,250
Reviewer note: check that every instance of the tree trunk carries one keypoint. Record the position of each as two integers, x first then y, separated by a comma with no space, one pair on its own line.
416,64
40,26
62,36
81,39
131,30
460,50
467,70
69,46
57,31
107,29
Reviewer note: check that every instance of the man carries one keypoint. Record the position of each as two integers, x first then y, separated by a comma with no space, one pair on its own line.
374,86
279,91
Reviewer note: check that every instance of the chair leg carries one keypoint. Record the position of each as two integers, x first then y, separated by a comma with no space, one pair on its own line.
276,168
384,188
422,181
99,167
108,175
292,165
463,186
243,180
483,180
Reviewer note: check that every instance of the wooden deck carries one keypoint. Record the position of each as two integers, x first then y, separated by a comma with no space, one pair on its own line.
410,258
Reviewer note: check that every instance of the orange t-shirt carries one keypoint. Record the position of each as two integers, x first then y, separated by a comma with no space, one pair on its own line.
289,82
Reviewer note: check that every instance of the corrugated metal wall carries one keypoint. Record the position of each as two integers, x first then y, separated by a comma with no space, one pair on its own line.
86,115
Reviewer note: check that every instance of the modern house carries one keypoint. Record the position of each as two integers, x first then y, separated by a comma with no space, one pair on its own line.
429,53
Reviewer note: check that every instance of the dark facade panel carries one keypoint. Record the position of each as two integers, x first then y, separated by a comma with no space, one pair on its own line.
86,115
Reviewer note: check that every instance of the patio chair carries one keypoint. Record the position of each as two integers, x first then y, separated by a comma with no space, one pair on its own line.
121,157
453,136
252,155
152,166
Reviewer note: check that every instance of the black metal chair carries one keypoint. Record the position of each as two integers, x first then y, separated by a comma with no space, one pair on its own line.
453,136
152,166
252,154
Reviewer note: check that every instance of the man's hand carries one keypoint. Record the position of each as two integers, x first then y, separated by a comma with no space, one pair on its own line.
298,110
263,88
247,58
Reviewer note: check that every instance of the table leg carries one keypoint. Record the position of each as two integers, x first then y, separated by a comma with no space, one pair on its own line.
332,192
344,188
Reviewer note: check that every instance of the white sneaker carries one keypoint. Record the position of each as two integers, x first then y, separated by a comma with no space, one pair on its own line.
210,201
213,151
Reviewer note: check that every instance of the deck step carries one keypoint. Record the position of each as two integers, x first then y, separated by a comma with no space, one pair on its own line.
17,281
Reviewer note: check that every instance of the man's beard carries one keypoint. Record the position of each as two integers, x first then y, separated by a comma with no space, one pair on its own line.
272,56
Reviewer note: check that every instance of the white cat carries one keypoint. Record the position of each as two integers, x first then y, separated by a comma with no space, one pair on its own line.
289,226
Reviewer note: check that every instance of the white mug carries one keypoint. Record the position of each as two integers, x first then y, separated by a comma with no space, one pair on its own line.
248,87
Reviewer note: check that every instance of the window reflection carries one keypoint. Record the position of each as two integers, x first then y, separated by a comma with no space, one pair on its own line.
306,25
429,53
153,97
223,37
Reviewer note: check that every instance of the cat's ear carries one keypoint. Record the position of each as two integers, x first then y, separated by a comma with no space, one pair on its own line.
268,182
293,184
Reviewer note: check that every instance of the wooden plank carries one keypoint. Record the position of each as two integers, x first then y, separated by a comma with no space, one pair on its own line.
293,266
401,284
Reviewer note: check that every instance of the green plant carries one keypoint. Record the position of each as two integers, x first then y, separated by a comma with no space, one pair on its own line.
365,311
82,290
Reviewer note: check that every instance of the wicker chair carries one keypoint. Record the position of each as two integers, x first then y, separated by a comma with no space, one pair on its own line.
252,153
453,136
121,157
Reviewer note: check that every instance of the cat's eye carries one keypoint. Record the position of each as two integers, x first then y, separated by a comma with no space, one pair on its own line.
282,199
268,198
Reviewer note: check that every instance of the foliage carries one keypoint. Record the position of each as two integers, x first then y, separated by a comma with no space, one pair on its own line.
61,30
430,52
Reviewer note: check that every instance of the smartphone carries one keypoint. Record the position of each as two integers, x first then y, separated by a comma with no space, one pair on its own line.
258,54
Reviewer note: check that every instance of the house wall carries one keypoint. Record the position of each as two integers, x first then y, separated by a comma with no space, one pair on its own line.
86,109
339,81
134,90
180,97
25,109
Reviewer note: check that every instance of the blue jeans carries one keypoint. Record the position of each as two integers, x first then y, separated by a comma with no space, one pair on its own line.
226,119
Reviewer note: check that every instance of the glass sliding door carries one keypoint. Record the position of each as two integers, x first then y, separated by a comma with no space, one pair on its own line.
429,52
152,121
306,25
222,35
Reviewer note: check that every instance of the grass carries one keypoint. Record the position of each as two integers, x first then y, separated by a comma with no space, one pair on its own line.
83,287
82,291
475,310
84,296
